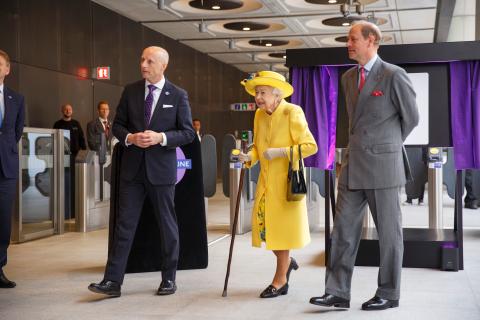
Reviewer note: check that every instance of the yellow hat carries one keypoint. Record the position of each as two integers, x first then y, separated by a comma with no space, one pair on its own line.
267,78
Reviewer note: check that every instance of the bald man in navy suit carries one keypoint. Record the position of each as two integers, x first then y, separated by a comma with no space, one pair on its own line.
12,115
152,119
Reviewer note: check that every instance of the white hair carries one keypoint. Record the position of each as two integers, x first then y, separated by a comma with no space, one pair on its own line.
161,53
277,92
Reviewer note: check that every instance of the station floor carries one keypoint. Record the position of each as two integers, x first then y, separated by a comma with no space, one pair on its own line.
52,276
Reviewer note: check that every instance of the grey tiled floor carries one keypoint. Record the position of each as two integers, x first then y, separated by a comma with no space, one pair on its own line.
53,274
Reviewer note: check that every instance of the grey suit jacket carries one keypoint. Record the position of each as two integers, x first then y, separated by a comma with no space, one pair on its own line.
381,117
94,128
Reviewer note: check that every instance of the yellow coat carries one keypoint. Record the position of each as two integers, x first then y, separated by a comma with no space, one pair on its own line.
286,223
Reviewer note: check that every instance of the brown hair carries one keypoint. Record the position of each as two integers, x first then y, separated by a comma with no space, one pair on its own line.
100,103
5,56
368,28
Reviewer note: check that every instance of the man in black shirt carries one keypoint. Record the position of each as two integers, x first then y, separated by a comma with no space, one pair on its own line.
77,139
77,143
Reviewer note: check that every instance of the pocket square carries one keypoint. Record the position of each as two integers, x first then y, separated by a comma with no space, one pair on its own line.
377,93
167,106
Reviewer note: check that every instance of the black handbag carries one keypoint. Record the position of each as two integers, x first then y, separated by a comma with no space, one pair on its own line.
296,186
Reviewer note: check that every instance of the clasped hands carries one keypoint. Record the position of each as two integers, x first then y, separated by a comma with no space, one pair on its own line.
145,139
269,154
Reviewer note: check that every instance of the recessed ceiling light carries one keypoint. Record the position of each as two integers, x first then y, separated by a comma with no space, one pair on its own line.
345,24
268,43
284,57
246,26
216,7
332,1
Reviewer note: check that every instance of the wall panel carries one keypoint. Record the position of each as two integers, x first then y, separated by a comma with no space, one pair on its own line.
53,42
39,33
9,28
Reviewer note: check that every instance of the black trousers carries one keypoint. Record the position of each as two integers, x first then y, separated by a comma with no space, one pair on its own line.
131,197
7,195
470,197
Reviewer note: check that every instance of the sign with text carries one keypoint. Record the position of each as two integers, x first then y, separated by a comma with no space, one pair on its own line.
103,73
242,106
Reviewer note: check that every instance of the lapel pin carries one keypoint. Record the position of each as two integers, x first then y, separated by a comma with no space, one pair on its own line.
167,93
9,97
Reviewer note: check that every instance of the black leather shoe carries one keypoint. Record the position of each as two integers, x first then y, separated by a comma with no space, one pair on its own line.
272,292
471,205
293,266
5,283
110,288
167,287
377,303
329,300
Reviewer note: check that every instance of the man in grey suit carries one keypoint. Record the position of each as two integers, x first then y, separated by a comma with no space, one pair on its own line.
98,127
382,112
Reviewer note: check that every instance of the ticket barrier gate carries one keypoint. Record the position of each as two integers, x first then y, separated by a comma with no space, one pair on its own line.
247,196
92,191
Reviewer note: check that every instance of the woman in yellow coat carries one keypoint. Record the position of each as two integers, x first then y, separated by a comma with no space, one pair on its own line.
278,125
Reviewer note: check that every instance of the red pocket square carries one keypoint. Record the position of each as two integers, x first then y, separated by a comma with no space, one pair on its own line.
377,93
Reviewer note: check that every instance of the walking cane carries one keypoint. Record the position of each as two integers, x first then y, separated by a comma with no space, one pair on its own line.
234,228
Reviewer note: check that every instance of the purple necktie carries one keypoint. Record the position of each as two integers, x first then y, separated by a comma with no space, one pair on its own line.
149,104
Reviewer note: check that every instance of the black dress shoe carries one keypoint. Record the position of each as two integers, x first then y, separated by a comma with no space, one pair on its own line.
110,288
329,300
167,287
5,283
471,205
293,266
377,303
272,292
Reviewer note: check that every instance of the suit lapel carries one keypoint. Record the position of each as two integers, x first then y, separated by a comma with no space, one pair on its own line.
374,77
100,125
166,90
352,91
7,104
141,101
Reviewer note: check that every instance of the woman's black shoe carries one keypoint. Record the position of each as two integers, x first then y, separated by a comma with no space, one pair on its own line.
272,292
293,266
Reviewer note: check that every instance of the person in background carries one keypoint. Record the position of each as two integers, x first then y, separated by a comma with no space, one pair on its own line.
470,200
77,143
197,126
12,116
100,126
278,125
77,139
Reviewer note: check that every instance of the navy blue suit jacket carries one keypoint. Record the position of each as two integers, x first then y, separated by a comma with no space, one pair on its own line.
11,132
172,116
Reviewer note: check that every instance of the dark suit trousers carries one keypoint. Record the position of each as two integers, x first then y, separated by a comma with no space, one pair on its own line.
7,195
131,197
350,210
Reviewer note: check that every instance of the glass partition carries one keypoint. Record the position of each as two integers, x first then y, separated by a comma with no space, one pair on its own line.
36,206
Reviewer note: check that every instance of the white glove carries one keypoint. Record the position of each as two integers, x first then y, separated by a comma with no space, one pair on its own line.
244,157
272,153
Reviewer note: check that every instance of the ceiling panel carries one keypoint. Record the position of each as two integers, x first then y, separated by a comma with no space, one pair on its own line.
408,21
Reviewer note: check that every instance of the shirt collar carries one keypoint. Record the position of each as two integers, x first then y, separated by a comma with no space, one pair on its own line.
1,87
368,66
101,120
159,84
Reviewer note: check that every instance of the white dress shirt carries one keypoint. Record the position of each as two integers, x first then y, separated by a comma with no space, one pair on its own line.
156,95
